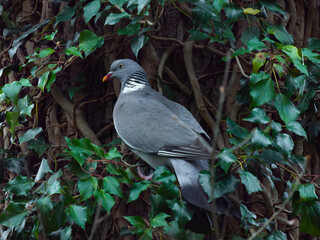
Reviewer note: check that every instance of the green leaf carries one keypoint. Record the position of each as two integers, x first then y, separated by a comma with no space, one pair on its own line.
180,212
74,51
65,15
136,221
257,116
89,41
205,182
163,174
307,193
137,43
260,140
313,44
11,90
130,29
251,11
13,215
279,69
284,142
114,18
226,158
137,188
38,145
91,9
261,88
112,185
235,129
255,44
296,58
258,61
310,219
30,134
250,181
271,156
19,186
277,235
43,169
25,106
159,220
45,52
52,78
287,111
113,153
305,100
25,82
197,35
168,189
12,120
142,4
87,187
224,186
313,57
297,129
51,35
276,127
44,206
249,34
118,2
247,215
43,80
104,199
280,33
78,214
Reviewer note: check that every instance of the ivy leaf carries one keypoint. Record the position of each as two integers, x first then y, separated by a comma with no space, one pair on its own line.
12,120
258,61
257,116
277,235
30,134
255,44
74,51
313,57
65,15
137,188
112,185
51,35
313,44
168,189
280,33
297,129
136,221
261,88
163,174
260,140
226,158
118,2
310,220
130,29
137,43
114,18
142,4
78,214
295,56
90,10
284,142
251,11
159,220
224,186
89,41
113,153
235,129
87,187
43,79
180,212
11,90
276,127
104,199
13,215
273,6
45,52
25,106
25,82
247,215
43,169
249,34
20,185
250,181
38,145
307,193
287,111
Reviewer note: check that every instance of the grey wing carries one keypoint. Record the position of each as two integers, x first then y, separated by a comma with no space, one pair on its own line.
149,125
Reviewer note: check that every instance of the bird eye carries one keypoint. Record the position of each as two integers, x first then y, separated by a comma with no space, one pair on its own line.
120,65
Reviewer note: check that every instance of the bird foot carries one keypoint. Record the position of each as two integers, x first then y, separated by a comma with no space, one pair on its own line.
144,177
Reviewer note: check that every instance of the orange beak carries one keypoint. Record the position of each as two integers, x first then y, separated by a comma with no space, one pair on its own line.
107,77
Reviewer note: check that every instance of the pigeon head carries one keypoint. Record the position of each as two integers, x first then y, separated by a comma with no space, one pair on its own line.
122,69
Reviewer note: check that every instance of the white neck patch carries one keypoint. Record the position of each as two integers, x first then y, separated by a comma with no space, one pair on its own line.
131,87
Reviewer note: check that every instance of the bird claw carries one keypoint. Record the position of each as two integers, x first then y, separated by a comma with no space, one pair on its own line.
144,177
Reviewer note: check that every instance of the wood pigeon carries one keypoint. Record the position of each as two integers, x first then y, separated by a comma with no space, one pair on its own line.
160,131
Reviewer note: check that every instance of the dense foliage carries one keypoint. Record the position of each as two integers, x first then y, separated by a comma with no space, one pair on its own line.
251,81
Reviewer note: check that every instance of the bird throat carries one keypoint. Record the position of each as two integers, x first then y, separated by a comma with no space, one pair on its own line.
135,82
